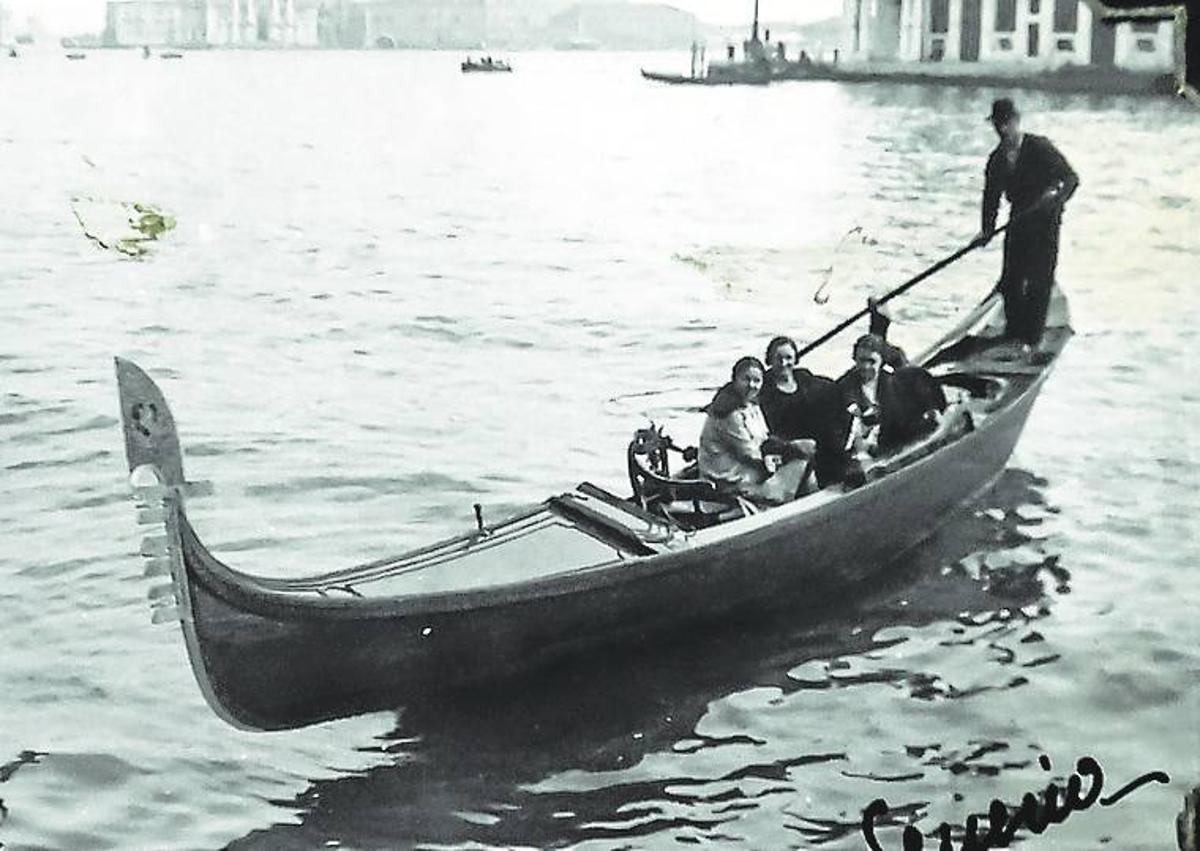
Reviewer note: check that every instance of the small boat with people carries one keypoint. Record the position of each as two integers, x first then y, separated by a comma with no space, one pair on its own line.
485,65
582,570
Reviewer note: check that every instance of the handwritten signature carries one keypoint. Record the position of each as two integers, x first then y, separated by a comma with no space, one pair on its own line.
1034,814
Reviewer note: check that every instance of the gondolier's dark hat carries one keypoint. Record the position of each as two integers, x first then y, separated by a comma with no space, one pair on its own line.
1002,110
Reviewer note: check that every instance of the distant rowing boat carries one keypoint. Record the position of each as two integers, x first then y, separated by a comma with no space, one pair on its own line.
486,66
581,570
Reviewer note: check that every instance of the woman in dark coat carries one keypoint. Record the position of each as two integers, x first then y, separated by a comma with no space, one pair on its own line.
892,408
799,405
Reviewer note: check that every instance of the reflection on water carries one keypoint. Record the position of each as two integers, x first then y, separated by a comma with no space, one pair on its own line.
561,759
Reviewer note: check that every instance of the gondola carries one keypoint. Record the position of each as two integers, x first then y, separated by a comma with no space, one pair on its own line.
749,75
583,570
745,74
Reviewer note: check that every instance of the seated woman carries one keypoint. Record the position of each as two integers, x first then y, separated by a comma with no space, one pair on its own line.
736,449
800,405
890,408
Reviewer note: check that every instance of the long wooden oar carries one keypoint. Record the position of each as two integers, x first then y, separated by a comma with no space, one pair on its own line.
1047,198
846,323
900,290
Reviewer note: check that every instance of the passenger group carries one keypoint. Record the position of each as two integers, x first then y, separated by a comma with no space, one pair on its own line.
777,431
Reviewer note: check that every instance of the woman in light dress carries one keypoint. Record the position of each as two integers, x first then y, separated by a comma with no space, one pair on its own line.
737,452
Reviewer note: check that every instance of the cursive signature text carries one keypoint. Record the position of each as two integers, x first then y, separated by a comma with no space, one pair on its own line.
1035,813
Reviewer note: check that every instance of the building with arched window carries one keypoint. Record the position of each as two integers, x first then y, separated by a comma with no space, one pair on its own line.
214,23
1018,36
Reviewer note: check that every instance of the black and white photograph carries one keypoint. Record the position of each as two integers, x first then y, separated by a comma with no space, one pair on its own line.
599,424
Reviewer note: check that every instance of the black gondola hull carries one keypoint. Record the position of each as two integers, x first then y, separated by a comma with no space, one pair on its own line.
276,654
276,668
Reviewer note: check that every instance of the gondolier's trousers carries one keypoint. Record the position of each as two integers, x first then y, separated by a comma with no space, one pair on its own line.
1030,257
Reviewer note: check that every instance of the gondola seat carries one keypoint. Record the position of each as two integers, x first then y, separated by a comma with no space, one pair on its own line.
687,499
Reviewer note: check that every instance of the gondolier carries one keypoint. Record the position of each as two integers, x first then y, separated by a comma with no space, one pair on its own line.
1038,180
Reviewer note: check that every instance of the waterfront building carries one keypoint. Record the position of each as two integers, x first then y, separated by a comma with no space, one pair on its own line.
155,22
1017,36
248,23
340,24
451,24
214,23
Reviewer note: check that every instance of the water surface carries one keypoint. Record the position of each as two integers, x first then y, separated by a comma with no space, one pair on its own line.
394,291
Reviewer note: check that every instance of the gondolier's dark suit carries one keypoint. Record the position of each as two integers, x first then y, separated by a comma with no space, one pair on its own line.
1031,242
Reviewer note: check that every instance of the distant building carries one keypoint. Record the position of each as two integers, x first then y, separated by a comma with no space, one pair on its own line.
627,26
214,23
1018,35
283,23
340,24
451,24
155,22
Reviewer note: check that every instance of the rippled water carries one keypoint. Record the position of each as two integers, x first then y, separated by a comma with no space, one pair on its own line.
394,291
